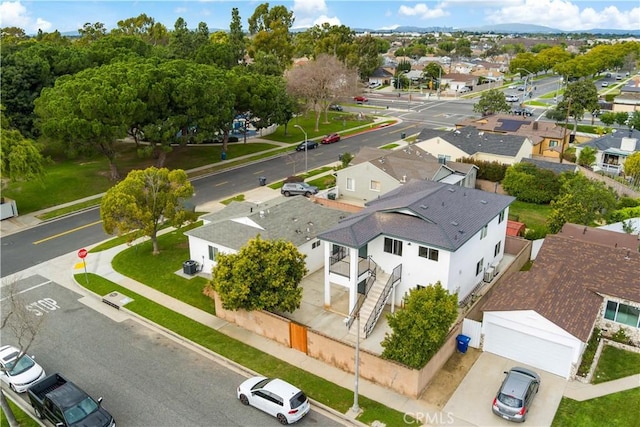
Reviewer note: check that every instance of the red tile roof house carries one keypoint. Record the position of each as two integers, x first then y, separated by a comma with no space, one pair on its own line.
582,278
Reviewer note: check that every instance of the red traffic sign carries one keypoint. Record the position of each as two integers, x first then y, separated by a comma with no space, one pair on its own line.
82,253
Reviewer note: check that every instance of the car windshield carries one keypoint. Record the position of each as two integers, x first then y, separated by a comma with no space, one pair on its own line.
23,364
261,384
80,411
298,400
510,401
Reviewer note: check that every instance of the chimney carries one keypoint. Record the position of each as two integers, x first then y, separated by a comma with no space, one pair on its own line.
535,125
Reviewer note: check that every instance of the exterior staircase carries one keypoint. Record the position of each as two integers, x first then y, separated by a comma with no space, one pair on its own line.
372,299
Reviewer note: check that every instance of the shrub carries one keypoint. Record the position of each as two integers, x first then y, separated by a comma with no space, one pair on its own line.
535,233
589,353
621,337
293,178
491,171
531,184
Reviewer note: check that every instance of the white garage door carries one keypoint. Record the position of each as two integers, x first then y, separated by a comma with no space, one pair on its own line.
528,349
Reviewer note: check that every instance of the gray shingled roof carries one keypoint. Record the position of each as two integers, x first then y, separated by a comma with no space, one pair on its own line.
613,140
295,219
567,281
435,214
472,141
555,167
407,163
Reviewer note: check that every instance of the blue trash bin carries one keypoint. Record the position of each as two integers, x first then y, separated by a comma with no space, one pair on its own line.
463,343
224,155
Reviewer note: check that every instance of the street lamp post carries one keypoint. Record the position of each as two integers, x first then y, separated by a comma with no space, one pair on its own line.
526,80
305,147
409,102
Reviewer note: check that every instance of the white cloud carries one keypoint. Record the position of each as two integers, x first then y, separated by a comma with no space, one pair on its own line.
15,14
390,27
423,11
564,15
312,12
179,10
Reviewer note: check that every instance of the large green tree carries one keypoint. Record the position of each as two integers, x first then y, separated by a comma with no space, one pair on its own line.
421,327
492,101
580,201
263,275
89,111
21,158
270,32
632,165
145,200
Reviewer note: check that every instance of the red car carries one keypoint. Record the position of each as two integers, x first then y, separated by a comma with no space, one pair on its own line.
360,99
330,139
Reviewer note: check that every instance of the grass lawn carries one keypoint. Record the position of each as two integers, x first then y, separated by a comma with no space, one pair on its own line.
23,419
158,271
616,363
533,215
614,410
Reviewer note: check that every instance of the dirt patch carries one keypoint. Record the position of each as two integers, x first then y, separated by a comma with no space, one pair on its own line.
445,383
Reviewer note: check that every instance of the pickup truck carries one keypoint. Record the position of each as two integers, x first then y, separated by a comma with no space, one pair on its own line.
66,405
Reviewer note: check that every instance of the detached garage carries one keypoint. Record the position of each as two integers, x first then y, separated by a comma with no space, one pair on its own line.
544,317
529,338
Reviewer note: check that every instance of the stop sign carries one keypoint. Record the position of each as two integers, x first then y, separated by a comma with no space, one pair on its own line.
82,253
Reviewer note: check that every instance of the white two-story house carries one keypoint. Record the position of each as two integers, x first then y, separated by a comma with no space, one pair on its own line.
421,233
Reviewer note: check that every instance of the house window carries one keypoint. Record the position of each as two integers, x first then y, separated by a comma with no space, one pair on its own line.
351,184
315,244
393,246
496,249
623,313
483,232
501,217
374,185
443,157
213,253
428,253
553,143
479,266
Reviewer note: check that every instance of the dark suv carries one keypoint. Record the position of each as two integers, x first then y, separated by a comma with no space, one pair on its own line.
521,111
515,396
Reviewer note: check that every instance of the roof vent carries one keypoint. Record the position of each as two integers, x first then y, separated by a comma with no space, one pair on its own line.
261,214
423,206
481,133
452,190
484,202
454,223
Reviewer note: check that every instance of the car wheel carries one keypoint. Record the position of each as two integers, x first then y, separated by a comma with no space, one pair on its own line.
12,387
307,194
244,400
38,413
282,419
286,194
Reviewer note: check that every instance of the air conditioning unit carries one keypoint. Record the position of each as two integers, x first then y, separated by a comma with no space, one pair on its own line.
495,266
488,274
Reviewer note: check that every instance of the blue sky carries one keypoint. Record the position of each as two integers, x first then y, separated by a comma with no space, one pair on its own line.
50,15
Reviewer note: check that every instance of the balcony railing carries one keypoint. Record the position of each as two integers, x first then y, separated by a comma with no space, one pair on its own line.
382,301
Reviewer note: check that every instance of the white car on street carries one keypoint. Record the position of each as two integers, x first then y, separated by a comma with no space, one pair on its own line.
276,397
19,376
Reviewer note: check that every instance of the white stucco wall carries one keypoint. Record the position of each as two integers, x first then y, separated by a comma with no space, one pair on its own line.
362,175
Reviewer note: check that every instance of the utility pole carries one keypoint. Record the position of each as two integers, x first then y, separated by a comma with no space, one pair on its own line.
564,134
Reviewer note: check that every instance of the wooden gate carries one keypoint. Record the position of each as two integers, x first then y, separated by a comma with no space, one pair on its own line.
298,336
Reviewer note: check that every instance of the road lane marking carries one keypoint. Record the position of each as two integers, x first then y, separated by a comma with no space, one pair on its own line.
73,230
222,183
27,290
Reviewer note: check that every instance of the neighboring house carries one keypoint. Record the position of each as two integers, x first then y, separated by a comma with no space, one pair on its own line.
457,81
546,137
374,172
381,75
421,233
490,75
583,277
612,150
629,98
480,145
294,219
631,224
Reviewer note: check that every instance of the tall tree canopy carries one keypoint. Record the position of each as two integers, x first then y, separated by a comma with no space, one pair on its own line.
138,205
270,31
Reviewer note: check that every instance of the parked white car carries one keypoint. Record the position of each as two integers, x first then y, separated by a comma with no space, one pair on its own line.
18,376
276,397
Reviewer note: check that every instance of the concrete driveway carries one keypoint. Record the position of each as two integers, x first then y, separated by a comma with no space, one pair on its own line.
471,402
